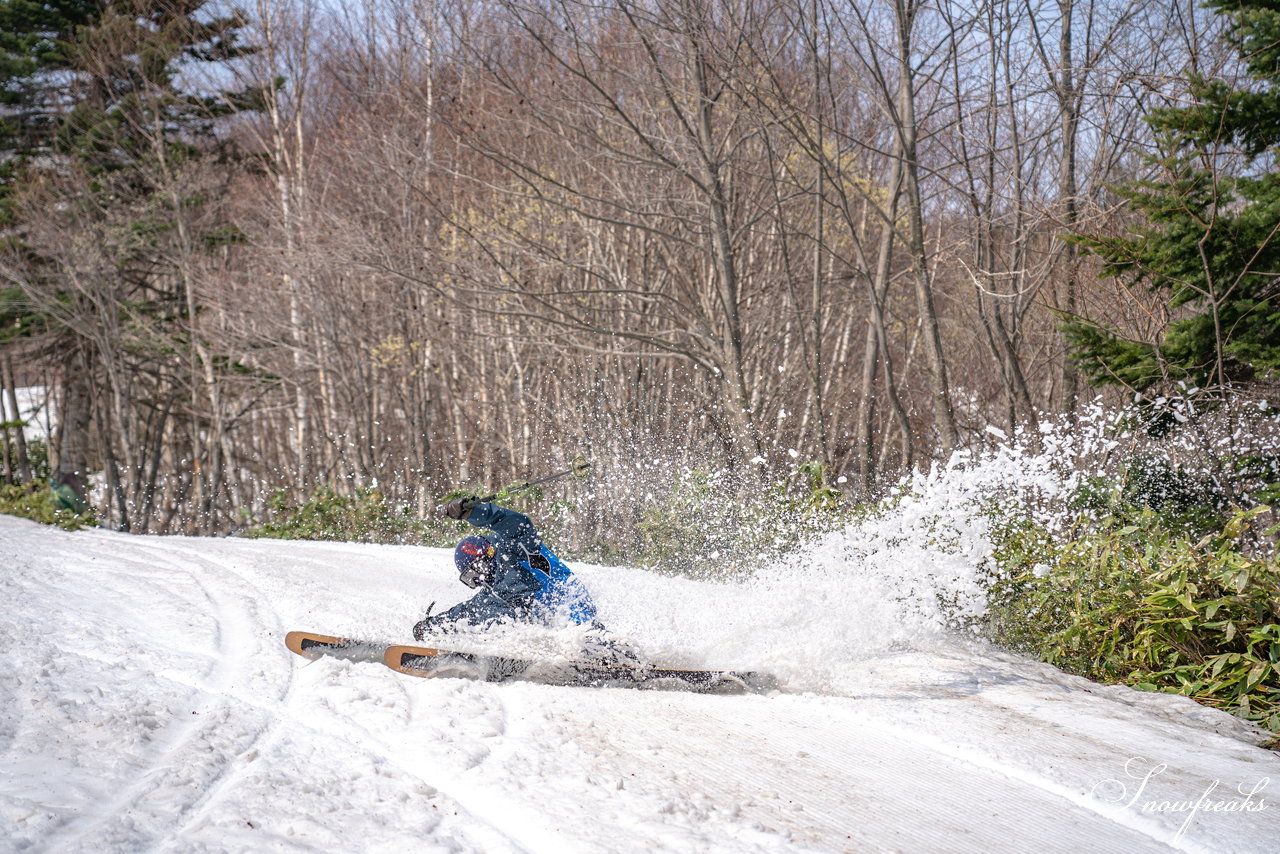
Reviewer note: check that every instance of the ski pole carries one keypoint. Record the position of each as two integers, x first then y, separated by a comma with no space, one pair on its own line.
579,468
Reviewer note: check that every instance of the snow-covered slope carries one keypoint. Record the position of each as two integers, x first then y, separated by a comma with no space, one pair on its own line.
147,703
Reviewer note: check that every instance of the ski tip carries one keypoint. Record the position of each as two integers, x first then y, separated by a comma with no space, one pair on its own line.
303,643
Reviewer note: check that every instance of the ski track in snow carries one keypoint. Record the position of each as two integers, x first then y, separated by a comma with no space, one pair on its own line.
148,704
189,757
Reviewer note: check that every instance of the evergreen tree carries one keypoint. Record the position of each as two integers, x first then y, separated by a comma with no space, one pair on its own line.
114,163
34,70
1210,239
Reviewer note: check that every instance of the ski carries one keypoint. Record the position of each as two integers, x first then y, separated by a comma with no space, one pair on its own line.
431,662
313,646
427,662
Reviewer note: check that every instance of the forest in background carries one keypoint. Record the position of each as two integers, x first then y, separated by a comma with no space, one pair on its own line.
416,245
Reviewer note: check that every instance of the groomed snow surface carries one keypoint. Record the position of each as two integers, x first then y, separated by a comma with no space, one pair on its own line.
147,703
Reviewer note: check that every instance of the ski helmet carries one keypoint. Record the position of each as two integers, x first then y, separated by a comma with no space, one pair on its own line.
474,559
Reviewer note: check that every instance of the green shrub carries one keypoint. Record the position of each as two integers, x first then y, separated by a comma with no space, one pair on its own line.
369,517
37,455
36,501
365,517
1189,502
1137,602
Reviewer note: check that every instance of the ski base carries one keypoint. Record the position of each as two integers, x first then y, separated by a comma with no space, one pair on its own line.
314,646
429,663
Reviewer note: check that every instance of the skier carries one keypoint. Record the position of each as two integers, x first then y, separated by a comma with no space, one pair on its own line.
518,576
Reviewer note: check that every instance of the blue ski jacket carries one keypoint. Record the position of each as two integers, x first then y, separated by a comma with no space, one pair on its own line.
530,582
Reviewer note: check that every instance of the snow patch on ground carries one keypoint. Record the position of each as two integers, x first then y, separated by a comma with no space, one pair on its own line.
35,408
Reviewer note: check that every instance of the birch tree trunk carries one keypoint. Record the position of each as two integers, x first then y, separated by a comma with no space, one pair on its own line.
20,432
907,130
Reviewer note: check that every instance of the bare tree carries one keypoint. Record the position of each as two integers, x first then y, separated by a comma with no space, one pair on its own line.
655,171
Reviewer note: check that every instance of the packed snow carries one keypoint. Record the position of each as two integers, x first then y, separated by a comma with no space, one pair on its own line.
147,703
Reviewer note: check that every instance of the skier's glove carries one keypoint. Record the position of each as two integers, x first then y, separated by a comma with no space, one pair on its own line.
460,508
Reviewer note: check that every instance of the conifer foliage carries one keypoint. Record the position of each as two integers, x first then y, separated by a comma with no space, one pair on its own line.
1208,242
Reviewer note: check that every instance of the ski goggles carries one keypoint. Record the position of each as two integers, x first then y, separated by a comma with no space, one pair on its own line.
479,573
480,570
